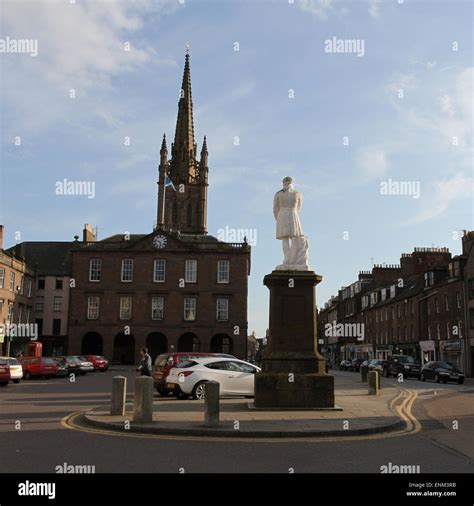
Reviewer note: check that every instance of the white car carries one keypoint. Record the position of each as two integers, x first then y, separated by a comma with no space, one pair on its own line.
16,371
235,377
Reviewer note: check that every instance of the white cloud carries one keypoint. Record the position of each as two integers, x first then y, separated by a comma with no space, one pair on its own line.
319,8
374,8
372,162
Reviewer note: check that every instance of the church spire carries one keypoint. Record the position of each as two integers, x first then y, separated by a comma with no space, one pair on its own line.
184,146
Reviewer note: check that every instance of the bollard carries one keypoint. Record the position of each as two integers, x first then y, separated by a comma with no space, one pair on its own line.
143,399
363,373
119,392
211,404
378,378
373,378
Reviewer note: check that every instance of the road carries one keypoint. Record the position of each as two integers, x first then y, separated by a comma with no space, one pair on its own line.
32,436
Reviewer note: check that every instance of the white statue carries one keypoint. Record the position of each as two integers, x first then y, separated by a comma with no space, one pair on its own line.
286,209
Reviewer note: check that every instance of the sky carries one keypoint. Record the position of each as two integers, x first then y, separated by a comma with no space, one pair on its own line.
274,97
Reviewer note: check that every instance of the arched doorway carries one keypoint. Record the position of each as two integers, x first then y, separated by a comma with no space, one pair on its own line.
156,344
92,344
221,343
188,342
124,349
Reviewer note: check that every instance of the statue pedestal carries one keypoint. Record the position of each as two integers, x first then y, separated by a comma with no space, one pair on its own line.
293,372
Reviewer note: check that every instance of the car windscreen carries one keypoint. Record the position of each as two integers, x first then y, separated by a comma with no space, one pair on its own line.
12,361
48,361
3,361
162,360
407,359
446,365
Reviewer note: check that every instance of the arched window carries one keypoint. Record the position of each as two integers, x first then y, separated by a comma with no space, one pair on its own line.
189,217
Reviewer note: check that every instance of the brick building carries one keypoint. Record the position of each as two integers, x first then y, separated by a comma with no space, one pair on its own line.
176,288
16,300
416,308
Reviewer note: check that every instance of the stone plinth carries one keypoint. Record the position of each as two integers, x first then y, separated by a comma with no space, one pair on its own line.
293,372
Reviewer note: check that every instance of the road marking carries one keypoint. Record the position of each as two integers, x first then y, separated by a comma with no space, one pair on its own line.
404,411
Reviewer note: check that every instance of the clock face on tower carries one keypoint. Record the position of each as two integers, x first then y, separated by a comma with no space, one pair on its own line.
159,241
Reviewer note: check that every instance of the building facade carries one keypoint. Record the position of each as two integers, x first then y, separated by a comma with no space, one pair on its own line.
174,289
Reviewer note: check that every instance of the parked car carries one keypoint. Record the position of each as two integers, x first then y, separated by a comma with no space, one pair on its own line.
16,371
236,377
62,366
356,363
4,373
71,363
402,364
44,367
345,365
376,364
165,361
442,371
98,361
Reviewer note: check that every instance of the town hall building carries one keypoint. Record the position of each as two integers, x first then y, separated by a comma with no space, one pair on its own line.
175,289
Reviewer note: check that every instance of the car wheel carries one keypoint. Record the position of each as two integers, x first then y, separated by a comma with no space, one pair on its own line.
3,383
163,392
27,375
199,390
181,396
422,377
436,378
460,381
17,380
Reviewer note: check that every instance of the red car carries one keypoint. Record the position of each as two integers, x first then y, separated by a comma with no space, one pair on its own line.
39,366
100,363
166,361
4,373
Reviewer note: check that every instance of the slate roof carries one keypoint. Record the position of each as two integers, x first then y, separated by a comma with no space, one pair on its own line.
48,257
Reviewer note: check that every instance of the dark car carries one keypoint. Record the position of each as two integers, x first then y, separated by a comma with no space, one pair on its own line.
442,371
62,366
72,364
356,363
402,364
345,365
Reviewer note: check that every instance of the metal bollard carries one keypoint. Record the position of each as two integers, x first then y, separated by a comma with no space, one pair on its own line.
143,400
374,382
211,404
119,393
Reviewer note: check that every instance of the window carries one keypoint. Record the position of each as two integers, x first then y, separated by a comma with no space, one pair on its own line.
190,275
157,308
28,315
59,283
223,271
429,332
384,294
22,285
222,310
436,305
56,326
429,279
438,331
386,313
20,312
412,307
29,287
240,367
428,309
458,300
12,281
58,303
39,323
41,283
222,366
471,288
398,310
127,270
405,305
2,277
159,270
189,308
39,306
125,308
446,302
93,308
393,289
365,301
95,269
10,312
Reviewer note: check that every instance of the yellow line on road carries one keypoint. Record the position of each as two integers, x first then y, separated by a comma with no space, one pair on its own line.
404,411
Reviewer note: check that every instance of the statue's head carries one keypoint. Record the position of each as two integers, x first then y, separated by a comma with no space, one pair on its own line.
288,183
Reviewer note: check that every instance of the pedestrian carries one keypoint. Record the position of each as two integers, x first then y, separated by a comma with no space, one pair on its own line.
144,366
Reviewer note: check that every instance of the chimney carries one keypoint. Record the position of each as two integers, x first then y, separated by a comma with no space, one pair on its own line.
88,234
1,237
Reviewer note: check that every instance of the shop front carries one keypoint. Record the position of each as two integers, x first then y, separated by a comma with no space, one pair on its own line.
428,351
408,349
452,351
364,351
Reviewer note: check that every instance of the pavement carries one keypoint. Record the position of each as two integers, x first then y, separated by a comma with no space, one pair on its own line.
357,413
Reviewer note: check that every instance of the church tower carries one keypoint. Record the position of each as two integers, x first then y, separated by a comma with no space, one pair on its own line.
183,180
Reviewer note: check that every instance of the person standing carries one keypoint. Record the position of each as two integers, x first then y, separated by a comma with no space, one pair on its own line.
144,366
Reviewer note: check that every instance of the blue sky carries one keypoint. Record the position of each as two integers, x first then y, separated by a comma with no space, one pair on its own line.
245,94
